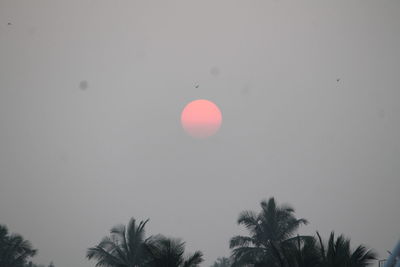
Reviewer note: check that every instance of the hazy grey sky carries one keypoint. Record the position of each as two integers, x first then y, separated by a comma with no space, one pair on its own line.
90,100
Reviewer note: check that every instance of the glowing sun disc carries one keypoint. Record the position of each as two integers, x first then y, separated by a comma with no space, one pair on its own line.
201,118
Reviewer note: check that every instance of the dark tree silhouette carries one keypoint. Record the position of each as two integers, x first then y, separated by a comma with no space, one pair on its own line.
303,252
128,247
337,253
14,249
125,247
271,234
169,252
31,264
222,262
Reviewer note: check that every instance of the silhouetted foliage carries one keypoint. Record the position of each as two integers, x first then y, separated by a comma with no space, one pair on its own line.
125,247
128,247
169,252
271,233
31,264
337,253
271,243
222,262
303,252
14,249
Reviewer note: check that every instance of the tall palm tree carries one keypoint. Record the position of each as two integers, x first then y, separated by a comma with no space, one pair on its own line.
271,232
169,252
125,247
14,249
337,253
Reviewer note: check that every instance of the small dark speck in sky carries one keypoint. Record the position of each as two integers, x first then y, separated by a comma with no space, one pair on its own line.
196,85
338,79
83,85
9,24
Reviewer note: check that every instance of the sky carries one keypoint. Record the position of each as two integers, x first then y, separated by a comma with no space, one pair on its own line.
91,94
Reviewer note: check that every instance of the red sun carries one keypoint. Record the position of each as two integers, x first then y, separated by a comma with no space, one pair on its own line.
201,118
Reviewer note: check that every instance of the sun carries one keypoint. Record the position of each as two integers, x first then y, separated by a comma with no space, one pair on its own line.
201,118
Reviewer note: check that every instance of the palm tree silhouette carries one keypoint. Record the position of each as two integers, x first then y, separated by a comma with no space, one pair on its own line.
222,262
270,235
303,252
125,247
337,253
14,249
128,247
169,252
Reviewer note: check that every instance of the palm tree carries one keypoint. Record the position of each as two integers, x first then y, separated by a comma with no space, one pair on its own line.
303,252
222,262
169,252
125,247
337,253
14,249
271,233
31,264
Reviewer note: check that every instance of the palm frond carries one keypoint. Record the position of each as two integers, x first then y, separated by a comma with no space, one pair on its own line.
104,257
194,260
240,241
362,256
248,218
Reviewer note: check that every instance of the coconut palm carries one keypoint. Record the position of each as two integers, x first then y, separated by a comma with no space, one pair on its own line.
222,262
303,252
271,233
337,253
169,252
125,247
14,249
